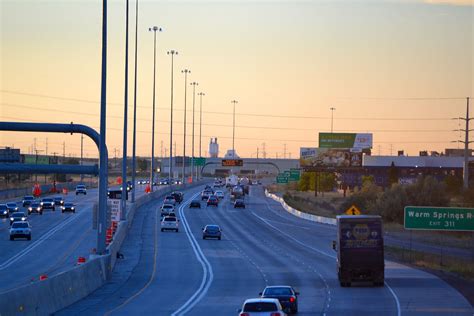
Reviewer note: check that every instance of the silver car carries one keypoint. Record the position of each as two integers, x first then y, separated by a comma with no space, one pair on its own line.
166,209
20,229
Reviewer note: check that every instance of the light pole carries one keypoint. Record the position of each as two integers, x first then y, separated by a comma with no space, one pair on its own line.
201,94
332,118
172,53
233,129
134,137
186,72
125,123
152,171
194,84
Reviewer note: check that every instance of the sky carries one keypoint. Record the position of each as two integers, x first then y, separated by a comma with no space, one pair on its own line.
399,69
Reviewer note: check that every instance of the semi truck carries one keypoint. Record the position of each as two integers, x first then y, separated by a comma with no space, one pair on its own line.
359,247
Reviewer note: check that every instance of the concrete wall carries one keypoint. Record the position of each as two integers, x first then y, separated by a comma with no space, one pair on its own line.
295,212
53,294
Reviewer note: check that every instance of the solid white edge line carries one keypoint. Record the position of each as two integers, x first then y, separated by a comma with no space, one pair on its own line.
388,286
206,266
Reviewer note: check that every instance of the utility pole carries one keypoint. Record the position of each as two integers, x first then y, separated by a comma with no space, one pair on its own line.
172,53
161,150
134,133
64,150
466,147
82,154
332,118
47,145
201,94
284,151
186,72
263,151
233,129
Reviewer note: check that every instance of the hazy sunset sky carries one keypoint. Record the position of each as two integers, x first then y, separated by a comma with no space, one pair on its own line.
286,62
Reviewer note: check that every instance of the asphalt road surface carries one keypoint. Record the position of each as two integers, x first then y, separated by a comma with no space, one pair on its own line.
168,273
58,239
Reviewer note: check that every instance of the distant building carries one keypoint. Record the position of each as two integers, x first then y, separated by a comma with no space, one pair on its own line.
10,155
456,152
213,148
231,154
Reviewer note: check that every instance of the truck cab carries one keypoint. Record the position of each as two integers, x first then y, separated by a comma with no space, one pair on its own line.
359,246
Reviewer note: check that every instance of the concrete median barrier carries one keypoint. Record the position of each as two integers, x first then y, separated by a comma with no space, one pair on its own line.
295,212
59,291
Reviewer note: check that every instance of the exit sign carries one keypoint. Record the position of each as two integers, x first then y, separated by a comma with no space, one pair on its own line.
439,218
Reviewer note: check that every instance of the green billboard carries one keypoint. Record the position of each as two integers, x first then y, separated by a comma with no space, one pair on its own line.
439,218
345,140
36,160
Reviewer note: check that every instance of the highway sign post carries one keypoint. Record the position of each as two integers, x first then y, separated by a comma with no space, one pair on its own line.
439,218
282,178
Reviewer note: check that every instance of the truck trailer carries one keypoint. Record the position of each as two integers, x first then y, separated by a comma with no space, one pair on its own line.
359,247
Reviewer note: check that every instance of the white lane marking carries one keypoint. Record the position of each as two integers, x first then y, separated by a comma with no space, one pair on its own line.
399,310
321,252
44,237
208,274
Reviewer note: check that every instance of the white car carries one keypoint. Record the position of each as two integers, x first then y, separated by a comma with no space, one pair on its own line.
20,229
219,194
262,307
81,189
170,223
166,209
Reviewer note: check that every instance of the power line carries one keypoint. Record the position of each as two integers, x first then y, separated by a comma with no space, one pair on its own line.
264,115
218,125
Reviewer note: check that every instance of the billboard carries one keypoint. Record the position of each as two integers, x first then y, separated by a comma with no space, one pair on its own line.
36,160
345,140
327,157
232,162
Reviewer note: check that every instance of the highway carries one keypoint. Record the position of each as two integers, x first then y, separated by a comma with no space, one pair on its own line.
58,239
168,273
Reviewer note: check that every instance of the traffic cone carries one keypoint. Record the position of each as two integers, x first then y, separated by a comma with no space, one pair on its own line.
108,236
81,260
147,189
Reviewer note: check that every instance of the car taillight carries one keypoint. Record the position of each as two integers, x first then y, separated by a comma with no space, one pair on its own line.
292,299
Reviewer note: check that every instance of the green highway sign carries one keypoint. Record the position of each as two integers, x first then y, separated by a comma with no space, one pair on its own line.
439,218
199,161
294,175
286,173
282,178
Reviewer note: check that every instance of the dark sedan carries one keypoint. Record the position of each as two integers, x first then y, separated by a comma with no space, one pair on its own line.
35,207
287,296
211,231
18,217
178,196
4,210
213,200
27,200
58,200
12,207
239,203
195,204
68,207
48,203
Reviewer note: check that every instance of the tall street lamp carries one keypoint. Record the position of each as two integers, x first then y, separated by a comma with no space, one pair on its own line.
134,137
234,102
172,53
332,118
152,171
125,123
194,84
200,94
186,72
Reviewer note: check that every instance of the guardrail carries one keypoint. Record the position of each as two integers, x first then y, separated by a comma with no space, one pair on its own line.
295,212
53,294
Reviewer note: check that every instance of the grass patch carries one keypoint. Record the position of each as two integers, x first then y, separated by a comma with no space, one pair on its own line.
460,267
